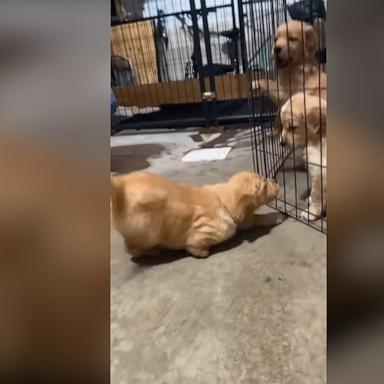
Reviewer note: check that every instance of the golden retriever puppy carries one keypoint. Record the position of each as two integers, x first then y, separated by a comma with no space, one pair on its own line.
293,52
303,119
152,212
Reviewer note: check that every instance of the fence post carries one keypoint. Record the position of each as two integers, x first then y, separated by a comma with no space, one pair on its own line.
242,36
198,57
212,111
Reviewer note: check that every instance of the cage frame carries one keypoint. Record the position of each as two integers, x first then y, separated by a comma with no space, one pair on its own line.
269,158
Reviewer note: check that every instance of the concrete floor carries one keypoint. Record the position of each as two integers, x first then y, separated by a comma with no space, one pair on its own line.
253,312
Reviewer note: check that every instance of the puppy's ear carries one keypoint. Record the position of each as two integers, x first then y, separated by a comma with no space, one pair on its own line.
317,119
310,41
259,186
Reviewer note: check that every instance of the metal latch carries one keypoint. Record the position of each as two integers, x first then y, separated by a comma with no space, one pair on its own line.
209,95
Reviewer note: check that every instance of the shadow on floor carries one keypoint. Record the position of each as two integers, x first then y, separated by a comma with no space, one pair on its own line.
169,256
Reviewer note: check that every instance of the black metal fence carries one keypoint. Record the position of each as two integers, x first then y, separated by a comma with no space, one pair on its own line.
292,148
190,63
184,63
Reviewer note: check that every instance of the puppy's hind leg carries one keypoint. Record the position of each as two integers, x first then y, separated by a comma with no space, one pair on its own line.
136,252
314,199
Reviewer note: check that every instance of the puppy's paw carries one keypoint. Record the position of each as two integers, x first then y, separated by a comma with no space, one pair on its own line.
273,133
260,85
308,201
197,252
312,215
280,218
256,85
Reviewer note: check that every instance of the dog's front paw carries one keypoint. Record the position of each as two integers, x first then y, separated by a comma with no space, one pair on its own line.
198,252
279,218
260,85
256,85
274,132
311,215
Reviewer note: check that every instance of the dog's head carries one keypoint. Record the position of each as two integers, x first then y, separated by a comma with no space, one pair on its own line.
251,191
295,42
303,120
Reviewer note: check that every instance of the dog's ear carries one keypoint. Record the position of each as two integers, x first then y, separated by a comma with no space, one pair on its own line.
317,120
244,189
310,40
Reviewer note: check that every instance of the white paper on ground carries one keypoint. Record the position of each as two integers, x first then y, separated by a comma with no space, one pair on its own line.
207,154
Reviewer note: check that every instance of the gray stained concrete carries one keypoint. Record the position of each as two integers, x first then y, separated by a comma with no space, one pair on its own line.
253,312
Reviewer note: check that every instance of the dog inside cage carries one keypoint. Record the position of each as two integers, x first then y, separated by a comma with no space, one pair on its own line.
215,62
292,147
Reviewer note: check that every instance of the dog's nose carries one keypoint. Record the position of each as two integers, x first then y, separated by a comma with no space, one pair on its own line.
282,142
277,50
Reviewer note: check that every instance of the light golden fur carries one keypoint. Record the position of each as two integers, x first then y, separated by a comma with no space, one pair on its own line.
304,119
295,62
297,68
152,212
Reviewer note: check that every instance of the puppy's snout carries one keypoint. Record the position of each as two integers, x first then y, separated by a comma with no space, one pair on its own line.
273,187
272,183
277,50
282,142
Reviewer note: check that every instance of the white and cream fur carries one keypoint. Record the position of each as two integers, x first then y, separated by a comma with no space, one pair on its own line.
303,119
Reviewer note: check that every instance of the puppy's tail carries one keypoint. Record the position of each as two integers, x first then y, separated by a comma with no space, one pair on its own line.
117,196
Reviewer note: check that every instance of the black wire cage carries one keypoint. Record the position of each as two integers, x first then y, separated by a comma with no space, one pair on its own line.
291,148
209,62
182,63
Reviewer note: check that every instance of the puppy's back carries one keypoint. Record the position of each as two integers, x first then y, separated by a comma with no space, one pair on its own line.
151,211
137,190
